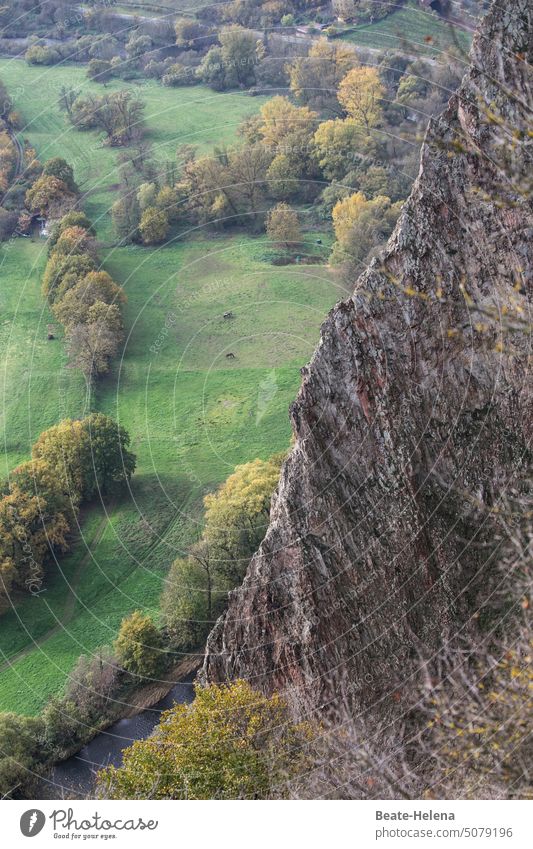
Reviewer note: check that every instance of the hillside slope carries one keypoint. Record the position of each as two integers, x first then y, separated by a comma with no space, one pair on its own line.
408,415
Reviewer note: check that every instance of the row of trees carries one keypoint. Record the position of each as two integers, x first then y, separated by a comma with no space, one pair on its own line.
71,463
83,298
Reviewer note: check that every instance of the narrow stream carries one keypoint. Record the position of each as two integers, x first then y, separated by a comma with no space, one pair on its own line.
74,778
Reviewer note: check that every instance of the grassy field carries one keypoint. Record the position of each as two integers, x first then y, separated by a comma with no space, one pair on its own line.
193,413
407,31
194,115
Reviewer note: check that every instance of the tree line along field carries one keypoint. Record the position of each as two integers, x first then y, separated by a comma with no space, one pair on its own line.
192,413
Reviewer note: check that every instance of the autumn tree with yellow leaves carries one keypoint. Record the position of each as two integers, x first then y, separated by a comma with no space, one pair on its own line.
230,743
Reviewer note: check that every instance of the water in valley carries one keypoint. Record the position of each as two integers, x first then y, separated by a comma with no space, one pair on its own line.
74,778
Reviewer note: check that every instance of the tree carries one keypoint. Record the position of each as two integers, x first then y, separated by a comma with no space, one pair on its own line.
190,33
284,175
230,743
138,46
67,98
120,114
74,218
237,515
92,345
171,201
126,215
63,272
283,227
111,462
20,750
340,145
100,70
50,195
95,287
39,54
146,194
153,226
281,120
361,225
74,240
360,93
212,71
38,477
315,78
58,167
186,602
139,646
66,448
239,55
6,103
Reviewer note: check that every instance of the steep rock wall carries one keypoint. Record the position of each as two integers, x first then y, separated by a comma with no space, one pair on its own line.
407,416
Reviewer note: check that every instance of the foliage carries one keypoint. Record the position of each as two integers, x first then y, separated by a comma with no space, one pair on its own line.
230,743
315,78
361,224
186,602
100,70
49,195
339,146
282,226
237,515
20,762
39,54
62,272
139,646
153,226
360,93
119,114
95,287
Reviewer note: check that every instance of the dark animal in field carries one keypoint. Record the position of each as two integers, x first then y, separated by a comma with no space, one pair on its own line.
228,315
230,356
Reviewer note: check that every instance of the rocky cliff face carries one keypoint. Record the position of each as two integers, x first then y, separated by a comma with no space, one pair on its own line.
415,408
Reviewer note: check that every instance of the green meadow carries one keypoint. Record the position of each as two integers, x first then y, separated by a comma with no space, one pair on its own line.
193,412
410,30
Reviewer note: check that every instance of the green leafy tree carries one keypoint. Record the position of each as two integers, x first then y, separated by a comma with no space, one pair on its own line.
230,743
237,515
63,272
139,646
100,70
186,603
111,463
20,755
58,167
212,70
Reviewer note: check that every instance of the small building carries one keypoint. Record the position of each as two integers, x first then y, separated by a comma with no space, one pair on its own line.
44,232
